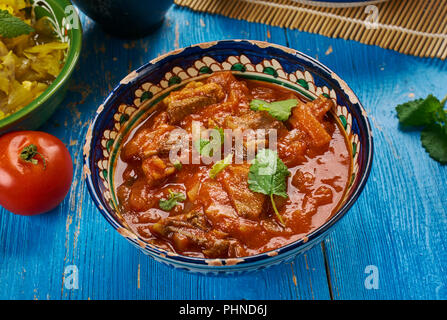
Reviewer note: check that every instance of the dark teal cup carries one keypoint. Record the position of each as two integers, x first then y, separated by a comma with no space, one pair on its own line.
126,18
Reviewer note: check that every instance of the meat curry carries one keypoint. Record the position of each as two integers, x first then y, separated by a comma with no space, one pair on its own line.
221,209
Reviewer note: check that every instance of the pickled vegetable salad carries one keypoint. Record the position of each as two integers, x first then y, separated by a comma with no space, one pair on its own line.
31,57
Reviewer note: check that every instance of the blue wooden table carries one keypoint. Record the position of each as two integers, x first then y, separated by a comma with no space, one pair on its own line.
398,226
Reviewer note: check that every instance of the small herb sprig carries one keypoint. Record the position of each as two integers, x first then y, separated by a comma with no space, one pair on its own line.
280,110
173,200
428,113
220,166
11,27
268,175
205,147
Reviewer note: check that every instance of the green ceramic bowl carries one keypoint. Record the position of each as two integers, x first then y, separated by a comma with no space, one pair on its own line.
68,28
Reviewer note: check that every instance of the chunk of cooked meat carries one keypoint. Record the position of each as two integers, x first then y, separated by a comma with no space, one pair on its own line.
323,195
303,181
136,198
215,201
224,79
222,215
156,170
263,93
292,147
192,230
148,142
319,107
158,141
191,220
238,94
303,118
247,203
254,120
160,119
191,99
183,229
254,130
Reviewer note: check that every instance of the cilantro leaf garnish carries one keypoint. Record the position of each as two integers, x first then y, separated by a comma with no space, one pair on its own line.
11,27
220,165
280,110
268,175
221,133
200,146
430,114
205,147
178,165
173,200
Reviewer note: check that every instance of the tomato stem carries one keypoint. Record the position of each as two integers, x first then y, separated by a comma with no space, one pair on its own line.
29,152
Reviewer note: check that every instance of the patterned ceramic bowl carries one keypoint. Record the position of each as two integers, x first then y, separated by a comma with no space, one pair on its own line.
67,28
137,93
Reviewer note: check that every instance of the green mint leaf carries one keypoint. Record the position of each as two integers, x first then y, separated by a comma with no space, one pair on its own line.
11,27
220,166
268,175
430,114
434,140
173,200
280,110
420,112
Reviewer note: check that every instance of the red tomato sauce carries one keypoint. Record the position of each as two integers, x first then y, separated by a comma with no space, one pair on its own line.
222,217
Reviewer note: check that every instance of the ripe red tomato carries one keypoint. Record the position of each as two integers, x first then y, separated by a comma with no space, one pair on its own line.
36,171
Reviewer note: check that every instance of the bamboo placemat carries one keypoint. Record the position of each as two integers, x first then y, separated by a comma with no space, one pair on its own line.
416,27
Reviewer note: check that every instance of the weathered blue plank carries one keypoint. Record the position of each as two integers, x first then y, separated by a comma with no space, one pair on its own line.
34,251
400,222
